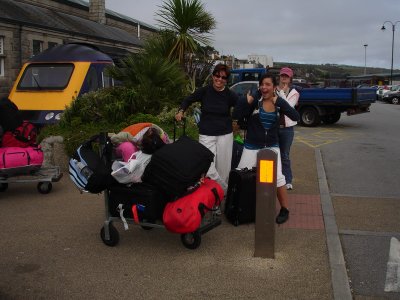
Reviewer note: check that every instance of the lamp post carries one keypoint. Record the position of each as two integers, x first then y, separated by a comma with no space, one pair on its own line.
393,29
365,58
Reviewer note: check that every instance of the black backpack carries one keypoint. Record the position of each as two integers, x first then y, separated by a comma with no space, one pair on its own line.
90,170
10,117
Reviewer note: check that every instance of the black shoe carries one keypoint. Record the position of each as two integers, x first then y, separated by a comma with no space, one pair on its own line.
283,216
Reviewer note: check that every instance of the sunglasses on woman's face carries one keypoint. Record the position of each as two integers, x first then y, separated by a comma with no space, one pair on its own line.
219,76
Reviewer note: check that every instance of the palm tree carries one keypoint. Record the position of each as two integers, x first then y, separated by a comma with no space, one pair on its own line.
190,23
157,80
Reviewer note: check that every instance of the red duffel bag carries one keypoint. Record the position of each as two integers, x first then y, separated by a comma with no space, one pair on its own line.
23,136
184,215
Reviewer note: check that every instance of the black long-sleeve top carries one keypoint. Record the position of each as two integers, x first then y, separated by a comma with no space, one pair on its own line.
256,133
215,109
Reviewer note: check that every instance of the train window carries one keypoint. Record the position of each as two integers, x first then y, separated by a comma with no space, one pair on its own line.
46,77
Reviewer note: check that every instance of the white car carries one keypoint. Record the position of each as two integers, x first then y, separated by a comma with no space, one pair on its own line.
386,89
241,88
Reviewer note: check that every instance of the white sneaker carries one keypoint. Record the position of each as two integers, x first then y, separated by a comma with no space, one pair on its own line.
289,186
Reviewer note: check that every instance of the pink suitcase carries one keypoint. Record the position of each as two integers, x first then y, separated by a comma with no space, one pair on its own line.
16,160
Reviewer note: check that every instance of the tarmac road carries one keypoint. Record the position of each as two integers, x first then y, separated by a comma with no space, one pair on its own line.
361,160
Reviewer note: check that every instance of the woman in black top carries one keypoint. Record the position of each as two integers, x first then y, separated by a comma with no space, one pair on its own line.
215,126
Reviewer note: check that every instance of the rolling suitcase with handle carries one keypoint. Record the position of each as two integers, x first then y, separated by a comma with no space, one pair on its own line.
240,207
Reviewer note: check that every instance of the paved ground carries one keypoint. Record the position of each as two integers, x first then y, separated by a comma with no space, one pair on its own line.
50,248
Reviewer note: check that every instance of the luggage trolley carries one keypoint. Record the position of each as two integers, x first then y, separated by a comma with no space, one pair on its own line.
43,176
110,236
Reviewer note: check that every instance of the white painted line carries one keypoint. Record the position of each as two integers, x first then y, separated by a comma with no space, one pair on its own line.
393,267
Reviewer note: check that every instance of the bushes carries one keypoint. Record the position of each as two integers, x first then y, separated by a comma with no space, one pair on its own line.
105,111
156,80
106,105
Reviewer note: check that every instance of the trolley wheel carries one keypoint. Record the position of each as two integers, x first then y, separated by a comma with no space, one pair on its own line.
191,240
114,236
44,187
3,187
146,227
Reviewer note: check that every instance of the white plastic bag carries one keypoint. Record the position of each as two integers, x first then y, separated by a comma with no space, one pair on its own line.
131,171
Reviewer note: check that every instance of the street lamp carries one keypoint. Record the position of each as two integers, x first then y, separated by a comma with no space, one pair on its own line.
365,59
393,29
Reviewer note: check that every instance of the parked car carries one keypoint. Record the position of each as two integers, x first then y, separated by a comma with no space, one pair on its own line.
392,97
387,89
243,87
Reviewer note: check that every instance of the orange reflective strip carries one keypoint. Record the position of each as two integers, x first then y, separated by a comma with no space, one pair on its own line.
267,171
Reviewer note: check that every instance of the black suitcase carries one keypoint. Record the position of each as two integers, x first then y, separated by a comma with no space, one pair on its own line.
177,166
237,150
240,206
148,199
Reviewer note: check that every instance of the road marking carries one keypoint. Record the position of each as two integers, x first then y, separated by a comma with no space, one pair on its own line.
393,267
315,138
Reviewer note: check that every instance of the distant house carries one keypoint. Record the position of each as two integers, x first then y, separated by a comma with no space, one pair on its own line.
28,27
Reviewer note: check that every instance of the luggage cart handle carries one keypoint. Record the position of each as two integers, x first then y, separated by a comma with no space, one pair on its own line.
183,122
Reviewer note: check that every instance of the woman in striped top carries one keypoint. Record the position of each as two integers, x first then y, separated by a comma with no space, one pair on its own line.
262,131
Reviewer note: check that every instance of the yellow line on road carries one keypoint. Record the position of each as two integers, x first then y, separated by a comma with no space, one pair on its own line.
317,137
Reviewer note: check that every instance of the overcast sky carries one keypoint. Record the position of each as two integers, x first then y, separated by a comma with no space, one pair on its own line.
300,31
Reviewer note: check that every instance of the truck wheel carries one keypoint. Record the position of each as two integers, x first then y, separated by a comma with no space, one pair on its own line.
309,117
331,119
395,100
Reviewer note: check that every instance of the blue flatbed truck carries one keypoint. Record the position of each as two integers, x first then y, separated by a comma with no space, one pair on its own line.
327,104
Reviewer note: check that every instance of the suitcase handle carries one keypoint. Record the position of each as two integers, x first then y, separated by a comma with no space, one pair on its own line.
183,122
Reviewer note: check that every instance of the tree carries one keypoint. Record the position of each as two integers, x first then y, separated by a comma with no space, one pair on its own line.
191,25
157,81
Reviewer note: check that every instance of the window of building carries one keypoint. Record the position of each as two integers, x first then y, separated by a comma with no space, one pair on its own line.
1,45
37,47
2,67
2,57
51,45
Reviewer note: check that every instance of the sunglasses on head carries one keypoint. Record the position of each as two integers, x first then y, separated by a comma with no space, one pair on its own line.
219,76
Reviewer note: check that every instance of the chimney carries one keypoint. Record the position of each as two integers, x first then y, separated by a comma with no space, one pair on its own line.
97,11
